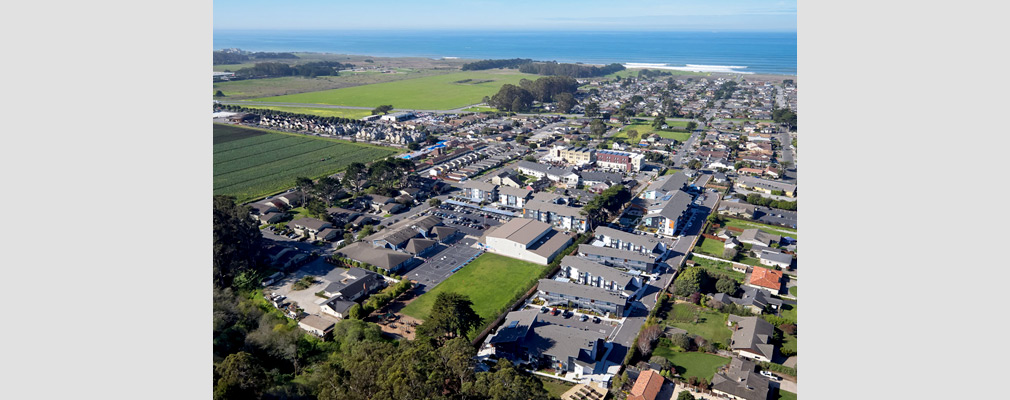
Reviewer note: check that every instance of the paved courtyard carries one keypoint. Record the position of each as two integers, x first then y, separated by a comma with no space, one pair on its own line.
439,266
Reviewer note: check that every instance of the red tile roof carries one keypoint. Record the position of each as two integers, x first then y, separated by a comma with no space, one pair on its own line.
768,278
647,386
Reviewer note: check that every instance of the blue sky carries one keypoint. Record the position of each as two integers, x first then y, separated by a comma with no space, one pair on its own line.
668,15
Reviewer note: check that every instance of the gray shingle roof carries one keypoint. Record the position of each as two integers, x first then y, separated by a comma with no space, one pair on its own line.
753,334
610,274
616,253
740,380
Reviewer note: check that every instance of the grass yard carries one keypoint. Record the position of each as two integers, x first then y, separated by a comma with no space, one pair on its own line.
444,92
251,163
717,267
789,311
784,395
670,171
254,88
792,290
645,128
789,342
688,364
711,324
743,224
710,246
491,281
322,112
555,388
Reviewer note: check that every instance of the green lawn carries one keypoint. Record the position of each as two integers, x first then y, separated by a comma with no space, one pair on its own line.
645,128
789,311
433,92
784,395
777,230
688,364
711,324
789,342
555,388
251,163
792,290
718,267
491,281
232,67
670,171
322,112
709,246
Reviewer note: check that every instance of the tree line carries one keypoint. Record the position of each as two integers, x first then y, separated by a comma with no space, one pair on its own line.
309,70
221,57
491,64
560,89
572,70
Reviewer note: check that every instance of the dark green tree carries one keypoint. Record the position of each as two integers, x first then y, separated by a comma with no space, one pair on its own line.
592,109
236,241
384,109
659,121
685,395
691,280
241,377
451,316
597,128
727,285
691,125
565,101
354,176
506,382
219,94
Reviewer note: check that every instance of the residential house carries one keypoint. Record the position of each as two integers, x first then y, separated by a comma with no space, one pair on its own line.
754,299
775,258
310,227
739,381
507,178
562,175
752,337
765,278
766,186
316,325
759,237
647,387
292,199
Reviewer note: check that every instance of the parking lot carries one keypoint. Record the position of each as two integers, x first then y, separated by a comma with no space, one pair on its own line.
305,298
439,266
468,221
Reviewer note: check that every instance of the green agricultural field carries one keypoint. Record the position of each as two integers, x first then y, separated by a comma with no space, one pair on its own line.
232,67
688,364
251,163
491,281
322,112
254,88
442,92
777,230
711,324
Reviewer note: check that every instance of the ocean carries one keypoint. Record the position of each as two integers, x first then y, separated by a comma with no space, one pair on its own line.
744,52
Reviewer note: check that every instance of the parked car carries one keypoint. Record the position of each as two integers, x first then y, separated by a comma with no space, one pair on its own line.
596,320
770,375
568,314
583,318
544,310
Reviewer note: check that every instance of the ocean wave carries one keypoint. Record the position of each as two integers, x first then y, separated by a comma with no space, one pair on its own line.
732,69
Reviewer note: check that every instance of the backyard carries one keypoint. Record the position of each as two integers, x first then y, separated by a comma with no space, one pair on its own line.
719,268
709,324
777,230
555,388
491,281
689,363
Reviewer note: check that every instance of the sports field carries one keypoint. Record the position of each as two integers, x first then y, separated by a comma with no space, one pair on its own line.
491,281
441,92
251,163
